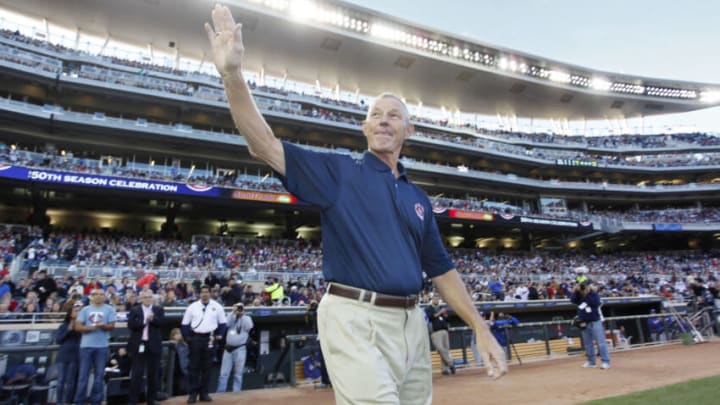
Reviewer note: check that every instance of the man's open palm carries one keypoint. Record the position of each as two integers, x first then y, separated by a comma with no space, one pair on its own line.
225,36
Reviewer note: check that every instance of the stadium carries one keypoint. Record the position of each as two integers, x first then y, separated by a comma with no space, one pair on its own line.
121,168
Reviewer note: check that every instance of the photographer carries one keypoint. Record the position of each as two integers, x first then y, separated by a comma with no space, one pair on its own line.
235,353
588,312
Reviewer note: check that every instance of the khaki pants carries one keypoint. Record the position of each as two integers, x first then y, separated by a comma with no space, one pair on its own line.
375,355
441,341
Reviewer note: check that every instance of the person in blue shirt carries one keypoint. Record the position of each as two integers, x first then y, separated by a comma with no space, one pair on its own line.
379,236
500,325
588,310
94,322
657,327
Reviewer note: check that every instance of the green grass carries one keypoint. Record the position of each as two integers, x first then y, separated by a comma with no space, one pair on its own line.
696,392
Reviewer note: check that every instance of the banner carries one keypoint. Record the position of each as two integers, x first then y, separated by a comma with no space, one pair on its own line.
282,198
108,182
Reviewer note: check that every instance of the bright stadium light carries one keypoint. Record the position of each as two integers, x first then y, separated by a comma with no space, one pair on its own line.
558,76
599,83
503,63
303,10
385,32
280,5
710,96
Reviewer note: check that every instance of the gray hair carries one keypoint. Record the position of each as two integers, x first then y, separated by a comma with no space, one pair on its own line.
406,112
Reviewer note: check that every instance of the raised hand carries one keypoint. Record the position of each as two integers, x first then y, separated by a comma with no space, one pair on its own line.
225,36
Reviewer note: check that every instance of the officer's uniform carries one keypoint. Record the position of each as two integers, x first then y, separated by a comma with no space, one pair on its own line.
200,324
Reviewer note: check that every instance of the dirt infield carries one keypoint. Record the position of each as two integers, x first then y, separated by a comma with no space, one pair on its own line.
556,382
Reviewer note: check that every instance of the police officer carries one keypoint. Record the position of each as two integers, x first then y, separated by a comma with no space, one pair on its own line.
203,326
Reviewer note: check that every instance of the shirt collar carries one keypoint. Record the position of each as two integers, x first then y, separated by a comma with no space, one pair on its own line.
375,163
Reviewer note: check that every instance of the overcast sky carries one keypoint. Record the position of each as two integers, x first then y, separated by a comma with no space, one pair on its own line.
656,38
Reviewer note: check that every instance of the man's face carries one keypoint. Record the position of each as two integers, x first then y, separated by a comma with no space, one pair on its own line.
386,126
98,296
205,295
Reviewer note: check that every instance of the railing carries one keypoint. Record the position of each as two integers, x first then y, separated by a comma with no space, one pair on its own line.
532,333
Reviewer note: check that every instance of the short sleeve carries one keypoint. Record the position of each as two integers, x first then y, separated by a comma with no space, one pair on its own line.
435,259
221,315
82,316
112,314
186,317
313,177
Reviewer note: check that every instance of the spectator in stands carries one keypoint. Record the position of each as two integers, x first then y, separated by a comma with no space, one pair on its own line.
77,287
374,274
145,322
497,288
170,299
95,322
67,355
275,290
4,286
235,353
588,311
22,289
181,289
131,299
126,285
212,280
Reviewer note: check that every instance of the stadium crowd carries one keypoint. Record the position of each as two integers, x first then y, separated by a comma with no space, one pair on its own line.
58,265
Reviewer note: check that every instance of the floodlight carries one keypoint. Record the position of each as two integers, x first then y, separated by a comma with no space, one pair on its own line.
710,96
503,63
559,76
303,10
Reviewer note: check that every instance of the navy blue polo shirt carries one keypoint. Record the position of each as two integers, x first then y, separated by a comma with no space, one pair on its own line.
378,232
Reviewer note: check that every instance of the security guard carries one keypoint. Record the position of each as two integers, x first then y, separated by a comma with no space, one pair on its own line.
203,326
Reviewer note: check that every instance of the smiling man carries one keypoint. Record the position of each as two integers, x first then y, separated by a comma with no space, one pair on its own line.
379,236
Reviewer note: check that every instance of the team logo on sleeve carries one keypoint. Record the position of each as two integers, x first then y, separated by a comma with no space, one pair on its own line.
420,211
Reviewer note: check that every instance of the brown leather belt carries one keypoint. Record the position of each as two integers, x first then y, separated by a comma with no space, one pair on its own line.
383,300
